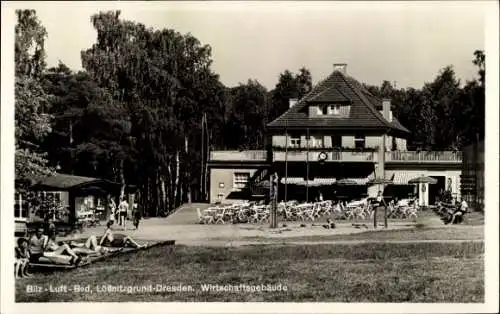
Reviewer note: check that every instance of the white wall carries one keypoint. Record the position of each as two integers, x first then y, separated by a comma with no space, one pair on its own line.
280,140
348,141
224,176
373,141
450,173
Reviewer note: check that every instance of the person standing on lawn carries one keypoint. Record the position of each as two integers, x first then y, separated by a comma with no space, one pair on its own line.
49,226
112,207
137,215
123,209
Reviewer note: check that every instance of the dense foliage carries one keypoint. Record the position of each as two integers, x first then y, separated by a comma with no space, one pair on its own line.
147,109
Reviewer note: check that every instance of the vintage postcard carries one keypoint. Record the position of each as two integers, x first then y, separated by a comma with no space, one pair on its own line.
256,157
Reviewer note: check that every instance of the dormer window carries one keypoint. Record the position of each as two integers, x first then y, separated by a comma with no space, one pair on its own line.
334,110
328,110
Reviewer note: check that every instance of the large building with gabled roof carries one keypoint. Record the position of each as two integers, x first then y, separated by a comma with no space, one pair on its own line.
338,132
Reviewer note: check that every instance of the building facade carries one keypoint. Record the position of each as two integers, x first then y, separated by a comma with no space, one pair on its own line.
339,132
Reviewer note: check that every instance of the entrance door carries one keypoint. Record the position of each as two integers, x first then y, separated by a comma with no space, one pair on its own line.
435,188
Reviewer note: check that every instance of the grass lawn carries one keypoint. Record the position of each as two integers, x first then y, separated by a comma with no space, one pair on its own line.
417,234
383,272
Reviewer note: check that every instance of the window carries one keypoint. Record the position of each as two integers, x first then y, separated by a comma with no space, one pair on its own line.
359,141
336,141
20,208
321,110
317,141
295,141
334,110
240,180
394,143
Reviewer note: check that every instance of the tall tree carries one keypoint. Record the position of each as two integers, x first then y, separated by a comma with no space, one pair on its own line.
246,128
444,93
163,79
32,123
480,62
289,86
91,132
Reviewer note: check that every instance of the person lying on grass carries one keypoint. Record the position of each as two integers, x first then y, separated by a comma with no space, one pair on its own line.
117,240
22,258
62,253
90,246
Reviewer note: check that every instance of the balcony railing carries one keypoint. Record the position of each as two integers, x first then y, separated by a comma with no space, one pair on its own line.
424,157
318,156
338,156
235,155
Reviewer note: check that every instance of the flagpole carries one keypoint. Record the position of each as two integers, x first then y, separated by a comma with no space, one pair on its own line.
307,167
286,160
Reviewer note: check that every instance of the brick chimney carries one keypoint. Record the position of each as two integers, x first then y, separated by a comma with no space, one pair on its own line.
342,67
386,109
292,102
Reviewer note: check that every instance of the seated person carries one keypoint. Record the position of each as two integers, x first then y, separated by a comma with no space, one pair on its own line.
116,240
37,244
22,258
459,212
42,246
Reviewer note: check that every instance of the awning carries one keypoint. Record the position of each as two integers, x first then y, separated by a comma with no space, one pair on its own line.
292,180
324,181
402,178
301,181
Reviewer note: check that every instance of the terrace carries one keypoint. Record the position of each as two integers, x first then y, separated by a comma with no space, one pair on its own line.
397,157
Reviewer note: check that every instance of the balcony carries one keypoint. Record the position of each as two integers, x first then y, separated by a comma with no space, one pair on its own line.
396,157
423,157
302,156
239,156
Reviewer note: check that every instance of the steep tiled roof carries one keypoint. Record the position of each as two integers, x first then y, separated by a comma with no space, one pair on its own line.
332,94
338,87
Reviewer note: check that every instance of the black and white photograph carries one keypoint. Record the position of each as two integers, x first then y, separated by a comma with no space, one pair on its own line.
275,155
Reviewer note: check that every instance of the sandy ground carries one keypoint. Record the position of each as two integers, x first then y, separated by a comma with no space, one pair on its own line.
182,227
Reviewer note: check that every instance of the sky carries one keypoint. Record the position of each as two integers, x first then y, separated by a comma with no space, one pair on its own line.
403,42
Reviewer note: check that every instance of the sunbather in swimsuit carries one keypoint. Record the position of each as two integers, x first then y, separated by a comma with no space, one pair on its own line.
90,246
61,253
116,240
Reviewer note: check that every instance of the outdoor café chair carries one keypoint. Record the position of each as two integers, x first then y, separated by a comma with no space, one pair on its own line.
219,215
358,212
308,213
203,217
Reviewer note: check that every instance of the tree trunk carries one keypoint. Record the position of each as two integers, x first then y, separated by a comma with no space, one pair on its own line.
122,180
176,183
169,185
207,156
163,193
188,173
157,194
